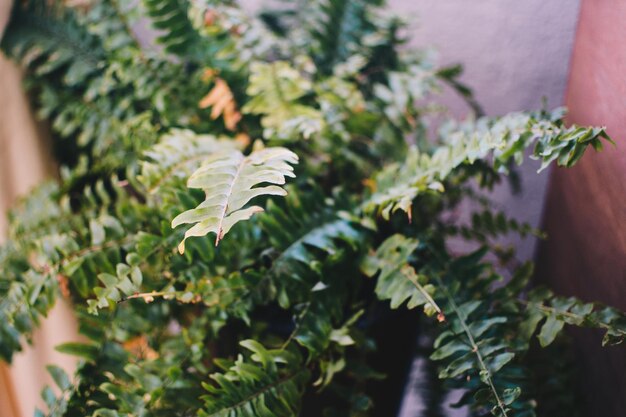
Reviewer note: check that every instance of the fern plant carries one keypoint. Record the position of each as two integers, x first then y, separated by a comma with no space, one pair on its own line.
290,158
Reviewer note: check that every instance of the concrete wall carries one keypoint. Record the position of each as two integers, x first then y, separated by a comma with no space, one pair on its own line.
514,52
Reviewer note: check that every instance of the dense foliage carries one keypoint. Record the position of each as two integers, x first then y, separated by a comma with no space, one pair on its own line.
243,200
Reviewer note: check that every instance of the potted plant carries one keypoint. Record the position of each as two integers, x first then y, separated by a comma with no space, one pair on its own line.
253,208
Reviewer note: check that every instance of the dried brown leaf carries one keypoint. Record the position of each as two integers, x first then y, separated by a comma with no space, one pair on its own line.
222,101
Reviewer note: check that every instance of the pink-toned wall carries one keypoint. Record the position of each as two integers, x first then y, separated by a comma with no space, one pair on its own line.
586,206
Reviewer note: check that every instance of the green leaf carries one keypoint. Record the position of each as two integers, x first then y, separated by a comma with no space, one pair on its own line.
89,352
176,32
550,330
104,412
497,362
59,376
509,395
267,383
398,281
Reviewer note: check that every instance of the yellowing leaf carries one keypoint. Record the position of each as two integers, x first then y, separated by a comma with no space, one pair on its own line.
208,74
243,140
139,348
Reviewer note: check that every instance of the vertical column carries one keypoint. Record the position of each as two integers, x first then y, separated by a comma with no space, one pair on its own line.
585,214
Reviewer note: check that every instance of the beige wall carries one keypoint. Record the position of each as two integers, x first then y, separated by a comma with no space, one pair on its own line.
24,162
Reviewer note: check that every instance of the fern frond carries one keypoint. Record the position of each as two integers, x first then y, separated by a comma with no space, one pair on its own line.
506,138
566,146
24,301
237,37
178,35
228,179
487,224
312,243
299,259
304,276
402,90
54,247
177,155
276,90
469,350
266,383
331,31
559,311
339,31
68,57
47,39
398,281
306,232
467,347
57,405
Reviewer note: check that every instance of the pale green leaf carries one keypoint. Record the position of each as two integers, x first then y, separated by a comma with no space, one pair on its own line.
230,180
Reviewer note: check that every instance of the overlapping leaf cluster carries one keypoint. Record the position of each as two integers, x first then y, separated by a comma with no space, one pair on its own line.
290,159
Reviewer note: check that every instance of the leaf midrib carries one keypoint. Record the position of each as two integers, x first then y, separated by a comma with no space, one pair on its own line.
228,196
